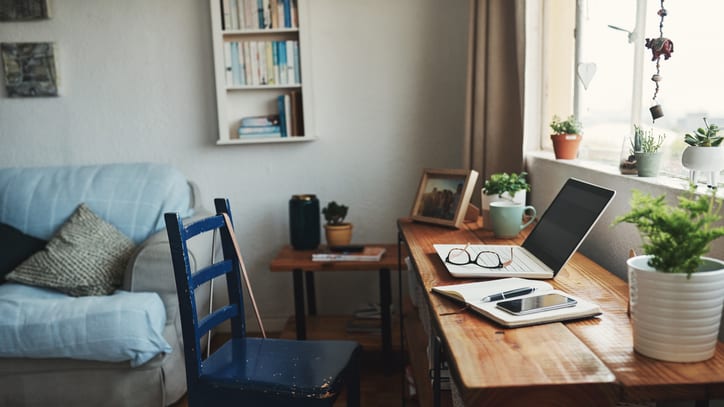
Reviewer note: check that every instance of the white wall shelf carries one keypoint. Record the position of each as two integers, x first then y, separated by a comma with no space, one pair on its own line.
235,101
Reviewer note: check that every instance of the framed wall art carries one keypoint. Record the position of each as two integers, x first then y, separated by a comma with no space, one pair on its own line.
29,68
443,196
23,10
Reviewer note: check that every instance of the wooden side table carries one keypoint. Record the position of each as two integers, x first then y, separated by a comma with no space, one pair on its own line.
300,263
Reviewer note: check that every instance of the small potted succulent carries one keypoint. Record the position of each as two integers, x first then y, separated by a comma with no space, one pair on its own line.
337,231
503,186
701,154
675,291
647,151
566,137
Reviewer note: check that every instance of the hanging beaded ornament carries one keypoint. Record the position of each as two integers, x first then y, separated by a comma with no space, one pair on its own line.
661,46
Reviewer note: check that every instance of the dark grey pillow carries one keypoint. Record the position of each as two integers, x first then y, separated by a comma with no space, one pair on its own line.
15,247
86,256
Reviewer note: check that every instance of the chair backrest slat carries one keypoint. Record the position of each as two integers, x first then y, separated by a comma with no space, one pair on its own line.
217,317
187,280
211,272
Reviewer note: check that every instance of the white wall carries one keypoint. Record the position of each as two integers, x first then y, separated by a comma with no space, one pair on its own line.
137,85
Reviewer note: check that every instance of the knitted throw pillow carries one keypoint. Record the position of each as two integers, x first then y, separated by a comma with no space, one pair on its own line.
86,256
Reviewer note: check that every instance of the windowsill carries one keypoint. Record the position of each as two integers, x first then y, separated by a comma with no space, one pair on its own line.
675,185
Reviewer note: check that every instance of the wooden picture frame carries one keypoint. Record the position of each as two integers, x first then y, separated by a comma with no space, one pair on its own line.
443,196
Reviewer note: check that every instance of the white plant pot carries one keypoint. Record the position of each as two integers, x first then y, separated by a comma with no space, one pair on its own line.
518,197
706,160
675,319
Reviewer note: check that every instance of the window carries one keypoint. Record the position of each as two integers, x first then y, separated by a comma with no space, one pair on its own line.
618,96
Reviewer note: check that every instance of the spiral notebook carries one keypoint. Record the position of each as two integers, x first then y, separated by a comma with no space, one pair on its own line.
556,236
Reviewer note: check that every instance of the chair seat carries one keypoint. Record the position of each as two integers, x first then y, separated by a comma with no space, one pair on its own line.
287,368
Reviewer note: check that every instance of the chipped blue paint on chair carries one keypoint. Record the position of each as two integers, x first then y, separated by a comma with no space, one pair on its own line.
250,371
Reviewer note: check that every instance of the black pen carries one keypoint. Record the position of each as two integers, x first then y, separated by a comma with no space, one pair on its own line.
508,294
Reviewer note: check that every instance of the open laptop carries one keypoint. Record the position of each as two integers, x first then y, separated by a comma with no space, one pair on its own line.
556,236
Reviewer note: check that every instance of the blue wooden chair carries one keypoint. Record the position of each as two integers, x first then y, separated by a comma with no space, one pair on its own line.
250,371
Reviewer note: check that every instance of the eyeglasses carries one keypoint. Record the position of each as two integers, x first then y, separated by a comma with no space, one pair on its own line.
486,259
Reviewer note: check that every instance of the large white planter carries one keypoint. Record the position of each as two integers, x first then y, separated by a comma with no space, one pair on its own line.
518,197
706,160
676,319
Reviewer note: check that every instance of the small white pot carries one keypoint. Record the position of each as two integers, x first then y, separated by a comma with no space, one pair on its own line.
674,318
518,197
707,160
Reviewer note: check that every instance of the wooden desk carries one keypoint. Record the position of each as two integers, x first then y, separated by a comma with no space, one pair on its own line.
300,263
589,362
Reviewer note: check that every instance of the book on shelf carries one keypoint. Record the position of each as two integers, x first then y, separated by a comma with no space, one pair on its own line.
369,253
228,73
289,115
248,130
265,120
226,14
472,295
282,115
298,112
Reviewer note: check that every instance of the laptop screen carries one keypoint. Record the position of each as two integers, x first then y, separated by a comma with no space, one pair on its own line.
568,219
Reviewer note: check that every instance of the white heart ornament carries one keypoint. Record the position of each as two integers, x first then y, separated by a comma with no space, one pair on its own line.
585,72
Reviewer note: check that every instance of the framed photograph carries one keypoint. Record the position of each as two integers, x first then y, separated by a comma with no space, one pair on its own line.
29,69
24,10
443,196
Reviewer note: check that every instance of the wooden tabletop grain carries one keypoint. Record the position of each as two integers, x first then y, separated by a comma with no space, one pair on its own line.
588,362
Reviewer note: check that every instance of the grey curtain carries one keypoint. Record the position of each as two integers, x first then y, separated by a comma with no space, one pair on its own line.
495,88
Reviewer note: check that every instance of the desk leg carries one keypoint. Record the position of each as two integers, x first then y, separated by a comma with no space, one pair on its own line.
436,363
299,313
311,295
385,303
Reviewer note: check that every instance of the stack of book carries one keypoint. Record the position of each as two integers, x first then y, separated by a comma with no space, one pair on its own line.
260,127
367,320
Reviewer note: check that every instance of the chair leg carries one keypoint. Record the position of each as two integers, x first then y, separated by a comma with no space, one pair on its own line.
353,383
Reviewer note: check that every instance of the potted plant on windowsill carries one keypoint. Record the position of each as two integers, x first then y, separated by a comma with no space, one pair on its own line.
675,292
336,230
701,154
566,137
503,186
648,155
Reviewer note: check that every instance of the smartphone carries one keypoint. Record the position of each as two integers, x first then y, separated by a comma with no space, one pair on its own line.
538,303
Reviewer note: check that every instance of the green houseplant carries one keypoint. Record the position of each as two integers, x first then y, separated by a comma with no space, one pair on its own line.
337,231
500,183
647,151
702,155
675,291
566,137
503,187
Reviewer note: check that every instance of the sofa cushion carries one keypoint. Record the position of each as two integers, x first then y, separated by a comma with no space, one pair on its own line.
87,256
15,246
133,197
41,323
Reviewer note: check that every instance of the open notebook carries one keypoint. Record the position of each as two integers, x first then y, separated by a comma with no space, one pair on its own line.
472,294
556,236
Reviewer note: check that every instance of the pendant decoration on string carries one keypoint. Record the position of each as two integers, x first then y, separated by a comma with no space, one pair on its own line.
660,47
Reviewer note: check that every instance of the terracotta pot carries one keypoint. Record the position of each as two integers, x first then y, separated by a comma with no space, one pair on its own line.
565,146
338,235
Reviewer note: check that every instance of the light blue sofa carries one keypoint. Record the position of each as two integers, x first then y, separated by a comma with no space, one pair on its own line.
132,197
